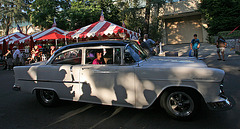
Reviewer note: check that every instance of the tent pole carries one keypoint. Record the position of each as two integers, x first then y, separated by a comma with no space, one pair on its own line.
65,40
56,43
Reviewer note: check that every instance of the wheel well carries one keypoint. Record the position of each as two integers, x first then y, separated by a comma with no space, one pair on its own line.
177,88
35,89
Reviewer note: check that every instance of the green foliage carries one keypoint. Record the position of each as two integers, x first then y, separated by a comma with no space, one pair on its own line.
83,13
12,11
111,11
74,14
43,12
71,15
221,15
133,18
234,34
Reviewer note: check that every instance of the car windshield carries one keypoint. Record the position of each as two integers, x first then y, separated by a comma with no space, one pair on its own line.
136,51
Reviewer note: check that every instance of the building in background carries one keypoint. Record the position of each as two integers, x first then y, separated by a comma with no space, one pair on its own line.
180,20
26,27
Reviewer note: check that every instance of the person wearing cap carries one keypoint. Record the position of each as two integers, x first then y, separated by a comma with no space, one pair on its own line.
16,56
194,45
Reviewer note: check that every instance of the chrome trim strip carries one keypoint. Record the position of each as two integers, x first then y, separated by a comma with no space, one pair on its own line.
54,81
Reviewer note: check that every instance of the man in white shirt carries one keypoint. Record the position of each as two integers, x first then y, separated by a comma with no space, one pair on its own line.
16,56
149,42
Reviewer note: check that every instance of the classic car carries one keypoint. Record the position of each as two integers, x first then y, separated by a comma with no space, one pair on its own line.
124,76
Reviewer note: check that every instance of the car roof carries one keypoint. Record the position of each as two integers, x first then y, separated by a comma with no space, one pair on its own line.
95,43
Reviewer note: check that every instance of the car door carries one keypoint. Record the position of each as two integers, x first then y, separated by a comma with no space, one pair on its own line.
62,74
106,83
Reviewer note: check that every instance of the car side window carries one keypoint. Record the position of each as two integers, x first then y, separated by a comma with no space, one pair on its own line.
91,55
117,56
72,57
128,55
108,55
103,56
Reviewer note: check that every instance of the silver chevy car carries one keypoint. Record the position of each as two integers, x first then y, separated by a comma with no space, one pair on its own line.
120,73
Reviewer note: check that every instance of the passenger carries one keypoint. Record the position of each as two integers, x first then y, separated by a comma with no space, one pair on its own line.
98,60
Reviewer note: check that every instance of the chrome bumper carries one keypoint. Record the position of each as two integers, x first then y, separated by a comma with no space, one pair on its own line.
16,88
223,104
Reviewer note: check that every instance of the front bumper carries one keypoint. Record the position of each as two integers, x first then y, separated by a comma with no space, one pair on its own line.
222,104
16,88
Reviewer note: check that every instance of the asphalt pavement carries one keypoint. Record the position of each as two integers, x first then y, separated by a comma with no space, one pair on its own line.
207,52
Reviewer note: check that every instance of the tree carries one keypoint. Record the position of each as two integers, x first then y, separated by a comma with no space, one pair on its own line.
83,13
221,15
156,24
13,11
111,11
43,12
147,16
131,14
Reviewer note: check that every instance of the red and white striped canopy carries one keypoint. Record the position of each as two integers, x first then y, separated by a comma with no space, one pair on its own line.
11,38
41,34
101,28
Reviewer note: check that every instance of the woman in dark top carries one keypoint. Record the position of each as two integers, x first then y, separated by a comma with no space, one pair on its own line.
9,56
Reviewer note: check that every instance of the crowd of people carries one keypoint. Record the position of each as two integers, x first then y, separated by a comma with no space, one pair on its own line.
14,57
38,53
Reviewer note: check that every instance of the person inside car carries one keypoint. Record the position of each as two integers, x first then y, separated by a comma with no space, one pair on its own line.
98,60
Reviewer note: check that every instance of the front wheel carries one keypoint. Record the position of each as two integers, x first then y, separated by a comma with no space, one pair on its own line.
47,97
179,104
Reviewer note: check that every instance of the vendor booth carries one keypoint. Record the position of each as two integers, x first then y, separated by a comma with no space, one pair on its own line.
11,39
103,30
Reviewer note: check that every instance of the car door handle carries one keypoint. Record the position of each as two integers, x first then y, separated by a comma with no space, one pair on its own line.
84,68
102,71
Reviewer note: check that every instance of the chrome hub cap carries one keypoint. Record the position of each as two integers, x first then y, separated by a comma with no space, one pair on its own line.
180,104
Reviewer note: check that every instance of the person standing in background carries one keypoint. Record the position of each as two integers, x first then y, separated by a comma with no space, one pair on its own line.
221,44
150,43
195,45
9,56
53,49
36,52
16,56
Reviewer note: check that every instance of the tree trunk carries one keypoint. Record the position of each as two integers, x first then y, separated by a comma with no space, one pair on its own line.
7,27
147,16
7,30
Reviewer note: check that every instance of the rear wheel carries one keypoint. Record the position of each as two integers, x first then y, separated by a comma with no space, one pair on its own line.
47,97
180,104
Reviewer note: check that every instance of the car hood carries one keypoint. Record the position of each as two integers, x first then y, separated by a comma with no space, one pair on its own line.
174,62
